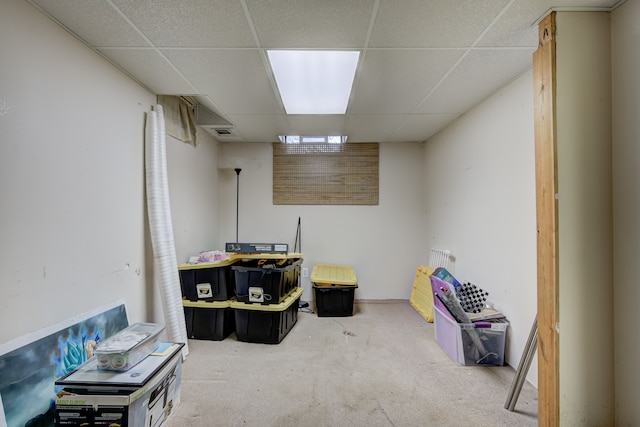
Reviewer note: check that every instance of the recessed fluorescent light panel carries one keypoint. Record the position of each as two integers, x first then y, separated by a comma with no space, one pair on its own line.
314,82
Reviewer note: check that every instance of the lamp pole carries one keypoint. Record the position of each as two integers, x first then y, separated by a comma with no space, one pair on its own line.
237,199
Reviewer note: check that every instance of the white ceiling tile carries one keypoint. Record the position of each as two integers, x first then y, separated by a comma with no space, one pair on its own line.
205,100
585,3
517,26
395,81
420,127
434,23
260,128
316,125
479,74
94,21
149,68
409,83
190,23
372,127
235,80
311,24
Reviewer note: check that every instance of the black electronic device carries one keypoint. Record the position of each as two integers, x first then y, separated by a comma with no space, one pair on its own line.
250,248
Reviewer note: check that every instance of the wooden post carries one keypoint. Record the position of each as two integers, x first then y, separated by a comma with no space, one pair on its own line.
544,78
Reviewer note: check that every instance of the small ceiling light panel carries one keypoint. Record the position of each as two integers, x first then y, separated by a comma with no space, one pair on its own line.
314,82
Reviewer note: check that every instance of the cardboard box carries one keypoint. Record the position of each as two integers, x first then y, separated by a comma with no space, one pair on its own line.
145,395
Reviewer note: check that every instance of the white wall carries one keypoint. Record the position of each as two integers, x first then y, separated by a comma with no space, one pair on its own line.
72,218
384,244
626,208
585,241
193,187
71,177
479,192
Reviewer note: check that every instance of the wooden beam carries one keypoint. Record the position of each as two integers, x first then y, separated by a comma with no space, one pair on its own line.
544,78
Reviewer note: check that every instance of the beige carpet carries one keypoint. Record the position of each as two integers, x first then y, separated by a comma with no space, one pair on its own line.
381,367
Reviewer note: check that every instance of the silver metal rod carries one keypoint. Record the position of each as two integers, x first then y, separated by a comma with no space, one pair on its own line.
523,374
523,367
237,199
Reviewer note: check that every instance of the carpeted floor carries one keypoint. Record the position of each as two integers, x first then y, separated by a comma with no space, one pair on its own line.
381,367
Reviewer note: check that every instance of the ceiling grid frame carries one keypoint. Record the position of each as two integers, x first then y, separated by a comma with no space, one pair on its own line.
398,100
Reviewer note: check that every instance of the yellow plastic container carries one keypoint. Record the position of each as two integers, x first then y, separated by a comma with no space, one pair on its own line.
208,320
266,324
421,294
333,275
214,281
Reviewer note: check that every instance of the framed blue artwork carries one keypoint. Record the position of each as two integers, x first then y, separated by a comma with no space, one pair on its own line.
30,365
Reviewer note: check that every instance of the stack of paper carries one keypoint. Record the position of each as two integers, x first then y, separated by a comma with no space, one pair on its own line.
487,314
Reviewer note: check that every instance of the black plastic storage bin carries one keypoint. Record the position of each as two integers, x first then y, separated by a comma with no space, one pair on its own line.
265,285
266,324
208,320
206,284
334,301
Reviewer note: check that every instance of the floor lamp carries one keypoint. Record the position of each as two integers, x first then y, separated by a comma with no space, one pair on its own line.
237,199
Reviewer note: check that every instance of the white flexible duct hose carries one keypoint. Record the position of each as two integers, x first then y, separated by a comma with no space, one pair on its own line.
160,225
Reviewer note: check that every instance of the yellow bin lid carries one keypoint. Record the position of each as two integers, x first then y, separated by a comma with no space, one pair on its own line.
232,258
286,303
333,274
213,264
205,304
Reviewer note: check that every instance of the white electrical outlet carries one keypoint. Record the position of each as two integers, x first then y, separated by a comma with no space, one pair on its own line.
305,272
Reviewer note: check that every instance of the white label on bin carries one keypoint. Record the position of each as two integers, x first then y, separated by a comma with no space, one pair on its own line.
256,294
204,290
280,248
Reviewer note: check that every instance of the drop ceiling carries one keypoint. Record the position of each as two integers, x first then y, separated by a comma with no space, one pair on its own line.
423,62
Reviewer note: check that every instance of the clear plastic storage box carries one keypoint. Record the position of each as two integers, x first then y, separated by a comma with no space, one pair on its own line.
470,344
128,347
